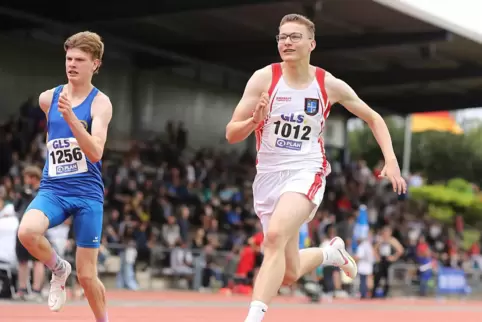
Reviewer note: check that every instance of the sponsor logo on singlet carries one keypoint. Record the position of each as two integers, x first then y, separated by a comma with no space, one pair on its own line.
288,144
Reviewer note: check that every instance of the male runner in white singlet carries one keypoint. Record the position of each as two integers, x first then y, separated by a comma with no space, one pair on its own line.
287,105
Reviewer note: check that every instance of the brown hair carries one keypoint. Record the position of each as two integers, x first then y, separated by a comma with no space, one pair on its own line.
33,171
89,42
302,20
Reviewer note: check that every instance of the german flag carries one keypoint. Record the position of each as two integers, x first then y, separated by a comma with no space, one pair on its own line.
435,121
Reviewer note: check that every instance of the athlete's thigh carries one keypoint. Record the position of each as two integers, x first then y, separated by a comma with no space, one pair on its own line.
309,183
292,210
87,222
45,211
266,192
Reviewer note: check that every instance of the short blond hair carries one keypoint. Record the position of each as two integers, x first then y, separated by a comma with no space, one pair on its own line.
33,171
89,42
302,20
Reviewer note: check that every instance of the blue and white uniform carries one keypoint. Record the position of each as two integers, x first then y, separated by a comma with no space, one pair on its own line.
71,184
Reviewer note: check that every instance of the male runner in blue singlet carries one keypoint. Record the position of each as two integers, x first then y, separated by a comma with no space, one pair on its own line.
78,116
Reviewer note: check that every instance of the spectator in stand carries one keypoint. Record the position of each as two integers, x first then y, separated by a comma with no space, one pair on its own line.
246,265
9,224
365,257
250,259
424,260
126,276
8,230
388,250
171,232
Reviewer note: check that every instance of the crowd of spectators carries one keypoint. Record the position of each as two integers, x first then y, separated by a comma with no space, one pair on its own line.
198,205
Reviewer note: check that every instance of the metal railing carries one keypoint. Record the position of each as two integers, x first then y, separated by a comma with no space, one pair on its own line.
159,263
159,254
402,277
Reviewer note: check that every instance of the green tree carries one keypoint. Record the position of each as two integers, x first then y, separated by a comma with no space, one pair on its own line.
440,156
445,201
363,145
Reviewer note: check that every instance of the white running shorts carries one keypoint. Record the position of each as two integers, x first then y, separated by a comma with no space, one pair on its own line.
268,188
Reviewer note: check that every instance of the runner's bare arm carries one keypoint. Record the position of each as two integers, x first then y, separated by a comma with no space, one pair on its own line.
242,123
341,92
93,144
45,100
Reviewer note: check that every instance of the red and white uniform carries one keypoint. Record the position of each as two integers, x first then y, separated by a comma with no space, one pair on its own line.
291,154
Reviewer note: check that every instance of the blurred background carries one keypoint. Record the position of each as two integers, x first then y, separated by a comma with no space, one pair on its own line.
178,198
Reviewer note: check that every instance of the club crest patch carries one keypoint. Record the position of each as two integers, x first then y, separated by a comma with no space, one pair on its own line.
312,106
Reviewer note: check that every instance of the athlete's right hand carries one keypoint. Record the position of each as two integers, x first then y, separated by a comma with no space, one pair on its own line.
262,109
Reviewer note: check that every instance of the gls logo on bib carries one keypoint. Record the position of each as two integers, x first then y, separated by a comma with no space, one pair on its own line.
291,131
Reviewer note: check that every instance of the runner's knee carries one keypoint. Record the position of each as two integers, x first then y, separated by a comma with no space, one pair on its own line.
33,226
86,266
86,276
275,239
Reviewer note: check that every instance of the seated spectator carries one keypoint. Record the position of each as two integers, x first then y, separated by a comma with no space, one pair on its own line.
182,262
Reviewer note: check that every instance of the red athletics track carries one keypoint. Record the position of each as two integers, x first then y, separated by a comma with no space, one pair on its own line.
187,306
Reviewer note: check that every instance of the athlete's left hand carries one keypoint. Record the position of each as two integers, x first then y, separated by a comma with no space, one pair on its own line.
391,170
65,107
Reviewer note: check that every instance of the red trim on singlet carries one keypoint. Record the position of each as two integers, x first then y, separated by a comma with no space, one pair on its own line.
315,186
320,78
276,73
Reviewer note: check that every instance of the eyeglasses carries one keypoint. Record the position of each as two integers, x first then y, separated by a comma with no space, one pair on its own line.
295,37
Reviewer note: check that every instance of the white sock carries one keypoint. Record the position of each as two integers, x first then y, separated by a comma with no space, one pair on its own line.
330,256
256,312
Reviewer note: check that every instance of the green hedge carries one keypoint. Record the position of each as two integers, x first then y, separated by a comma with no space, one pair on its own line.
444,201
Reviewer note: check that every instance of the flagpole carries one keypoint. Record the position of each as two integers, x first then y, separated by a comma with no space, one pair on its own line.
407,146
